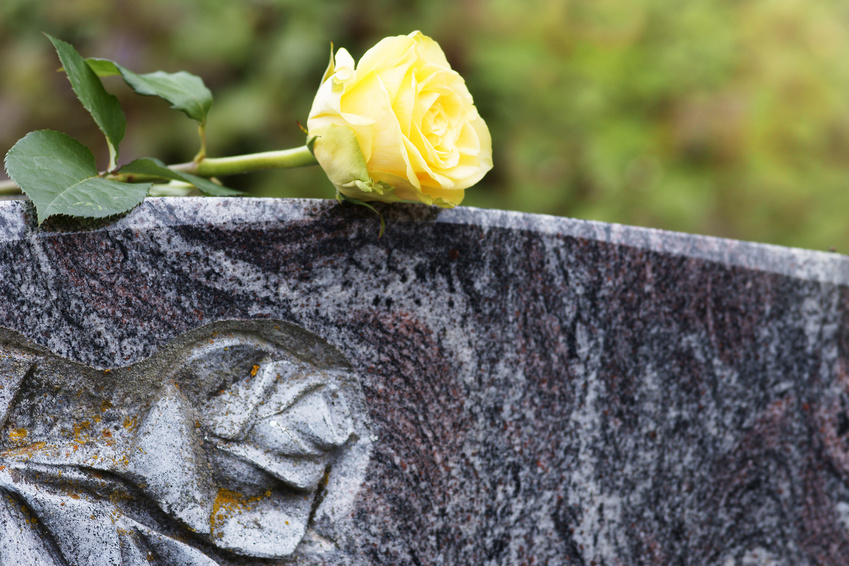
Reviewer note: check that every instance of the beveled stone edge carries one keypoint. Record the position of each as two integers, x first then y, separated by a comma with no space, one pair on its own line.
16,222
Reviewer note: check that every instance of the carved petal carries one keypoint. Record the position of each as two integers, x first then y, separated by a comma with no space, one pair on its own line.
168,462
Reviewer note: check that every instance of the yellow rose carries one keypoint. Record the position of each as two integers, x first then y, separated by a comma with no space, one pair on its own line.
400,126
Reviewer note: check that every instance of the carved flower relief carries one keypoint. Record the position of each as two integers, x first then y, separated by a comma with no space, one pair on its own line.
226,454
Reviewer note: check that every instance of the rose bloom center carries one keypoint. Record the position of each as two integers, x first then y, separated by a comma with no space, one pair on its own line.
441,129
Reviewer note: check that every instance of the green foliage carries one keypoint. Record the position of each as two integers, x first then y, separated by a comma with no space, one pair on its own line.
185,92
60,176
150,167
103,107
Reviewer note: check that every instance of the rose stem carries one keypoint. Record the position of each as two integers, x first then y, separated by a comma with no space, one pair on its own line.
222,166
214,166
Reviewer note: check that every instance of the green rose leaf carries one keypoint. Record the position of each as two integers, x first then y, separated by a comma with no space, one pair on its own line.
156,168
59,175
185,92
103,107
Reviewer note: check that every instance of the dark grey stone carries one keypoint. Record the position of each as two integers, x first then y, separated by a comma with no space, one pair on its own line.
532,389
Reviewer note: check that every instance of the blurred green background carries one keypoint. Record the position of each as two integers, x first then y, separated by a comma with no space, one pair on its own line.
720,117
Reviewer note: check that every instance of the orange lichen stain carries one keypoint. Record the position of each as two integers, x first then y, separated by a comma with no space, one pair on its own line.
18,434
27,515
130,423
105,405
26,451
79,429
228,503
197,424
73,496
254,370
107,370
107,434
119,497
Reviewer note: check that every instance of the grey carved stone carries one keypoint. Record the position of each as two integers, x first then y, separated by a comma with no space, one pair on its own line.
497,388
223,441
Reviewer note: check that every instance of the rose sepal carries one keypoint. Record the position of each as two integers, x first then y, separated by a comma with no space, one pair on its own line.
341,198
337,150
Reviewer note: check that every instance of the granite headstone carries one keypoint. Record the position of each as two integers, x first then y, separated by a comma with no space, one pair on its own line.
249,381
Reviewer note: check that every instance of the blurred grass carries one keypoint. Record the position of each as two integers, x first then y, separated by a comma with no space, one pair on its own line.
711,116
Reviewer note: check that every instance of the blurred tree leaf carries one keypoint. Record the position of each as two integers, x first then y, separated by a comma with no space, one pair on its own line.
155,167
104,107
185,92
59,175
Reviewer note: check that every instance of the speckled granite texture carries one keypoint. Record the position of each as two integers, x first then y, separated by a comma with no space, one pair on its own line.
540,390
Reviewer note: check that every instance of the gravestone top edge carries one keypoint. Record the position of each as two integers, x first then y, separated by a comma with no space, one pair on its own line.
17,222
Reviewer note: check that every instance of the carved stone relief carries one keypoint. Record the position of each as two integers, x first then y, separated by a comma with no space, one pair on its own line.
231,443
